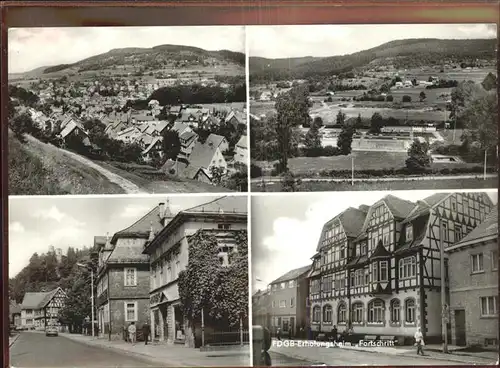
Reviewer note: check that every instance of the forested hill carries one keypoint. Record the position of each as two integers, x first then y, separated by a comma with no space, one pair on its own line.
44,272
401,54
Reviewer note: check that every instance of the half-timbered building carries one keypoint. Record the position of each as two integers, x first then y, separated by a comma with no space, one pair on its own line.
379,267
41,309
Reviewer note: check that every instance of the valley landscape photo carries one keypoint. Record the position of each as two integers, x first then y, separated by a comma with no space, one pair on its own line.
373,107
127,110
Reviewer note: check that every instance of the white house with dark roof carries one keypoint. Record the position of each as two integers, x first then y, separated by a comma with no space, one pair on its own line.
168,249
473,275
123,276
188,140
153,150
218,141
203,157
241,151
41,309
377,268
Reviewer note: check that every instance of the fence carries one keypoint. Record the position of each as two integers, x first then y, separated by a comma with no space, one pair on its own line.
220,338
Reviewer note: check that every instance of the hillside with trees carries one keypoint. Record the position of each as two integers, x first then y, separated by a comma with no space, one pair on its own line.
401,53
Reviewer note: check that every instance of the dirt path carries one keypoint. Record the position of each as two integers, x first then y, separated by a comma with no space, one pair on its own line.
126,185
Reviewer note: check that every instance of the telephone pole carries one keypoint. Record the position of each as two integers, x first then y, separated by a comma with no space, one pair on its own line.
444,307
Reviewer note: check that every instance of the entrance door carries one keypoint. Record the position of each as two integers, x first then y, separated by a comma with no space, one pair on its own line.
460,328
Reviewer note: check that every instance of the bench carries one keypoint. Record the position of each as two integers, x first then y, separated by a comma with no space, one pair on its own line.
394,339
370,338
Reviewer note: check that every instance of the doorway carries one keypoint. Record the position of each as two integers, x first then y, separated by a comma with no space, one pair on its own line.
460,335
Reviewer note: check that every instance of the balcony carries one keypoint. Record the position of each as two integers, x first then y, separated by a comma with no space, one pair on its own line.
380,288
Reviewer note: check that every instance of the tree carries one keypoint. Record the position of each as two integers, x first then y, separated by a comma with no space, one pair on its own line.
419,157
318,121
171,144
340,119
23,124
77,305
217,173
406,98
489,82
344,140
312,139
422,96
292,110
461,97
289,183
377,122
389,98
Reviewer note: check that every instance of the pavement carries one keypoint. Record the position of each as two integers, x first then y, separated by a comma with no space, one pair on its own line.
12,339
377,355
170,355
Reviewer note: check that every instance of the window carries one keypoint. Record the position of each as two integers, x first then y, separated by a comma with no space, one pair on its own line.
444,226
327,314
384,276
357,313
282,303
407,267
130,311
458,234
395,311
376,311
477,262
342,252
282,285
317,314
494,260
409,232
224,226
274,303
292,302
489,305
410,311
364,248
453,204
375,272
291,283
342,314
131,276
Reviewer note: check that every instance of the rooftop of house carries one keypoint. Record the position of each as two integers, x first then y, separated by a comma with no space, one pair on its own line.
221,205
242,143
293,274
486,229
37,300
142,227
215,139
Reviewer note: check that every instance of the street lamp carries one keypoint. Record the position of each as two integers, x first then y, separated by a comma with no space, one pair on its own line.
91,291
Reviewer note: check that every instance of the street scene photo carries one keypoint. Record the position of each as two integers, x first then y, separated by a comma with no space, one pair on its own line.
114,110
373,107
379,278
128,281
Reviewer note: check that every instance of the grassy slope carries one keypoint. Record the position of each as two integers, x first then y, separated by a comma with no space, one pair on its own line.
36,168
396,185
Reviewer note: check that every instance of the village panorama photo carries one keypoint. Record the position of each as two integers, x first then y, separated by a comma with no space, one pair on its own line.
373,107
113,110
128,281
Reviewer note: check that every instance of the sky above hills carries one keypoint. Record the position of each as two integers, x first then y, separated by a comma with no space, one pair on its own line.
285,233
331,40
30,48
35,223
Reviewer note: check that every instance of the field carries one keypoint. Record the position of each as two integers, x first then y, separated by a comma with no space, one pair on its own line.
395,185
329,111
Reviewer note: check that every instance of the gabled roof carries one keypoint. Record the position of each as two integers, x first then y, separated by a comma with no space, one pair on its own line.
215,139
352,220
180,127
221,205
151,145
242,143
202,155
487,229
293,274
380,251
187,136
142,227
70,127
400,208
38,300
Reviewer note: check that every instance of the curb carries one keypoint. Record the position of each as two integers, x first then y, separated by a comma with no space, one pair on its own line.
14,340
296,356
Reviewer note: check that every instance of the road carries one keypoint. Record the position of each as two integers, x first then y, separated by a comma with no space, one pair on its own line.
126,185
274,179
33,349
345,357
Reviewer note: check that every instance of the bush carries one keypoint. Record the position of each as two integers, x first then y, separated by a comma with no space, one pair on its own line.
406,98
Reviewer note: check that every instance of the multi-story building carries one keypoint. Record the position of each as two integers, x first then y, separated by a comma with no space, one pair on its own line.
169,254
123,275
41,309
473,275
288,299
384,279
261,308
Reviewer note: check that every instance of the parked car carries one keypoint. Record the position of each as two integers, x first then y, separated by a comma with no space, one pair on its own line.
51,331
